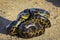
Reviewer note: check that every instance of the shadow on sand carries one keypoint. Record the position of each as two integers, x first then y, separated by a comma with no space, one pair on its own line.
3,23
55,2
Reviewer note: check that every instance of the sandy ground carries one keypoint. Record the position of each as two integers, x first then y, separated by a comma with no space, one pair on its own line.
9,10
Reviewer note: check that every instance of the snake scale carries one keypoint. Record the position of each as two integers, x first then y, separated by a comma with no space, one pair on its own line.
30,23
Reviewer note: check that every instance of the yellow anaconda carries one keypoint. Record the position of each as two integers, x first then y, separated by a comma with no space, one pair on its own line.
30,23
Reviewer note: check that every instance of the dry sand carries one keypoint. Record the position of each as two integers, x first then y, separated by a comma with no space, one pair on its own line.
9,10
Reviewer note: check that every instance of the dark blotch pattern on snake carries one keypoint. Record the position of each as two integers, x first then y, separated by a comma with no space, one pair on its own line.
30,23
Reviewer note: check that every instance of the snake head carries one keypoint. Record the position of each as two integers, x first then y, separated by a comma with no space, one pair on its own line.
22,16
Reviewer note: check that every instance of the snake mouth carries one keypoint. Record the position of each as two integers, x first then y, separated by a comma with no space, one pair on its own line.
25,16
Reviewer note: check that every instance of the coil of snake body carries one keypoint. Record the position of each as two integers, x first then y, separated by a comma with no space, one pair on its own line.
30,23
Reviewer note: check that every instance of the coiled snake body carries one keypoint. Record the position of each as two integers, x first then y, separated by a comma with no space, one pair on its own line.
30,23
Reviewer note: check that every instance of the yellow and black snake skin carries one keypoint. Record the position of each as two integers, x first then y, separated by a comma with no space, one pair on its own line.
30,23
33,27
